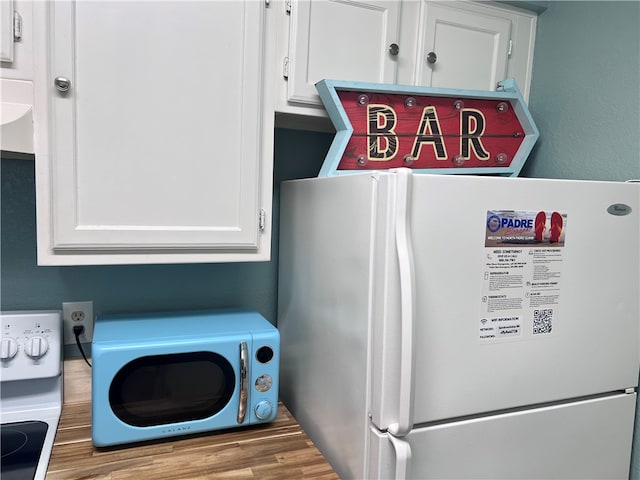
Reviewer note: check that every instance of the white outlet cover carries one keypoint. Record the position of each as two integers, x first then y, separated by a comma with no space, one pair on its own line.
67,309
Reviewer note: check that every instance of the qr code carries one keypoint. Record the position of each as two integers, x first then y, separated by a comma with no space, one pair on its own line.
542,321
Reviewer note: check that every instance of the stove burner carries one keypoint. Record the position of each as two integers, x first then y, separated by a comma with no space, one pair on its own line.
21,444
12,441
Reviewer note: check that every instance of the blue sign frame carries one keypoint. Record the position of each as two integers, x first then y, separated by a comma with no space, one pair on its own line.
507,91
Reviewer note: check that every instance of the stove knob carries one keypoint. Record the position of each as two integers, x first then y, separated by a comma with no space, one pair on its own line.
36,347
8,349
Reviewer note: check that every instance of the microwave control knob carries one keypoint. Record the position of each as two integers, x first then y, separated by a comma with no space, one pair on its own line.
8,349
263,410
264,383
36,347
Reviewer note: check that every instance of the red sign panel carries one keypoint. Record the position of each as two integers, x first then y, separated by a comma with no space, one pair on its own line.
424,132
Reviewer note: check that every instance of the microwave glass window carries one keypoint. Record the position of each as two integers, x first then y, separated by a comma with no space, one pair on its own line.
173,388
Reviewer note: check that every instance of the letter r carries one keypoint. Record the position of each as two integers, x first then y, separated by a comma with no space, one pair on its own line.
470,138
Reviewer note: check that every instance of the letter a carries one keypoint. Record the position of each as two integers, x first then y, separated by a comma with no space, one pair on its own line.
429,132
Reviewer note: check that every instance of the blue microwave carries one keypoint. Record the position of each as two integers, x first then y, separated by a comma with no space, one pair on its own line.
157,375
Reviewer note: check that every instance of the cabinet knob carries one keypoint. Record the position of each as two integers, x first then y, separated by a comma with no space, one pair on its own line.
432,57
394,49
62,84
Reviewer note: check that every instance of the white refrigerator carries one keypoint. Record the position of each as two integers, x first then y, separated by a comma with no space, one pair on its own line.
461,327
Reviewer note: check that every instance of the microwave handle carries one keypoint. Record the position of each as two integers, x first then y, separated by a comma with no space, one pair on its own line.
244,381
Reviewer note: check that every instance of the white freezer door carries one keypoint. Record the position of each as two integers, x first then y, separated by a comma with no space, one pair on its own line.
593,344
590,439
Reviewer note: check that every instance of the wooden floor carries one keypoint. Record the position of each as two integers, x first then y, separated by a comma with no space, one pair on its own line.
279,450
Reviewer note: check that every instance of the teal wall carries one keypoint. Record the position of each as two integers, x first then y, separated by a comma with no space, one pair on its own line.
24,285
585,92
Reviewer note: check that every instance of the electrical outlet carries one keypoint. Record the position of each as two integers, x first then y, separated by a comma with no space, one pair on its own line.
77,313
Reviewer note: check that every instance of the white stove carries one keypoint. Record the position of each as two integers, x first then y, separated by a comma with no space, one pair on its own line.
31,391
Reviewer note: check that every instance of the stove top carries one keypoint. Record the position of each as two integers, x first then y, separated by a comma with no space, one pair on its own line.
31,393
21,446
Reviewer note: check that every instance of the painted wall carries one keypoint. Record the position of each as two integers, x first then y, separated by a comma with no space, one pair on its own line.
585,92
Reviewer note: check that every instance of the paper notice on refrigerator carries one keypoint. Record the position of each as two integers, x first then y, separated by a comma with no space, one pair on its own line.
522,271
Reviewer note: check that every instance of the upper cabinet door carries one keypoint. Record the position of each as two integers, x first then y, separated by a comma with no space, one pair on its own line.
467,45
154,132
462,49
6,33
340,40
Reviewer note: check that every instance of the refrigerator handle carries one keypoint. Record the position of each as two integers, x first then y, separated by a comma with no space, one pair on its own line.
403,457
407,283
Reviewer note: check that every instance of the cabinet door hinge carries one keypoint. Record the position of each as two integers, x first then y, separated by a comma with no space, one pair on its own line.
287,7
17,27
510,47
285,67
261,220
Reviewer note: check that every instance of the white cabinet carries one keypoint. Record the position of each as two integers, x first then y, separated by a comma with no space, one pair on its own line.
16,46
16,77
452,44
335,39
160,151
468,45
6,32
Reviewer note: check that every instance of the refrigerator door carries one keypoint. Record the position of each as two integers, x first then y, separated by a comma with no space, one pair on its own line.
324,301
589,439
564,313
